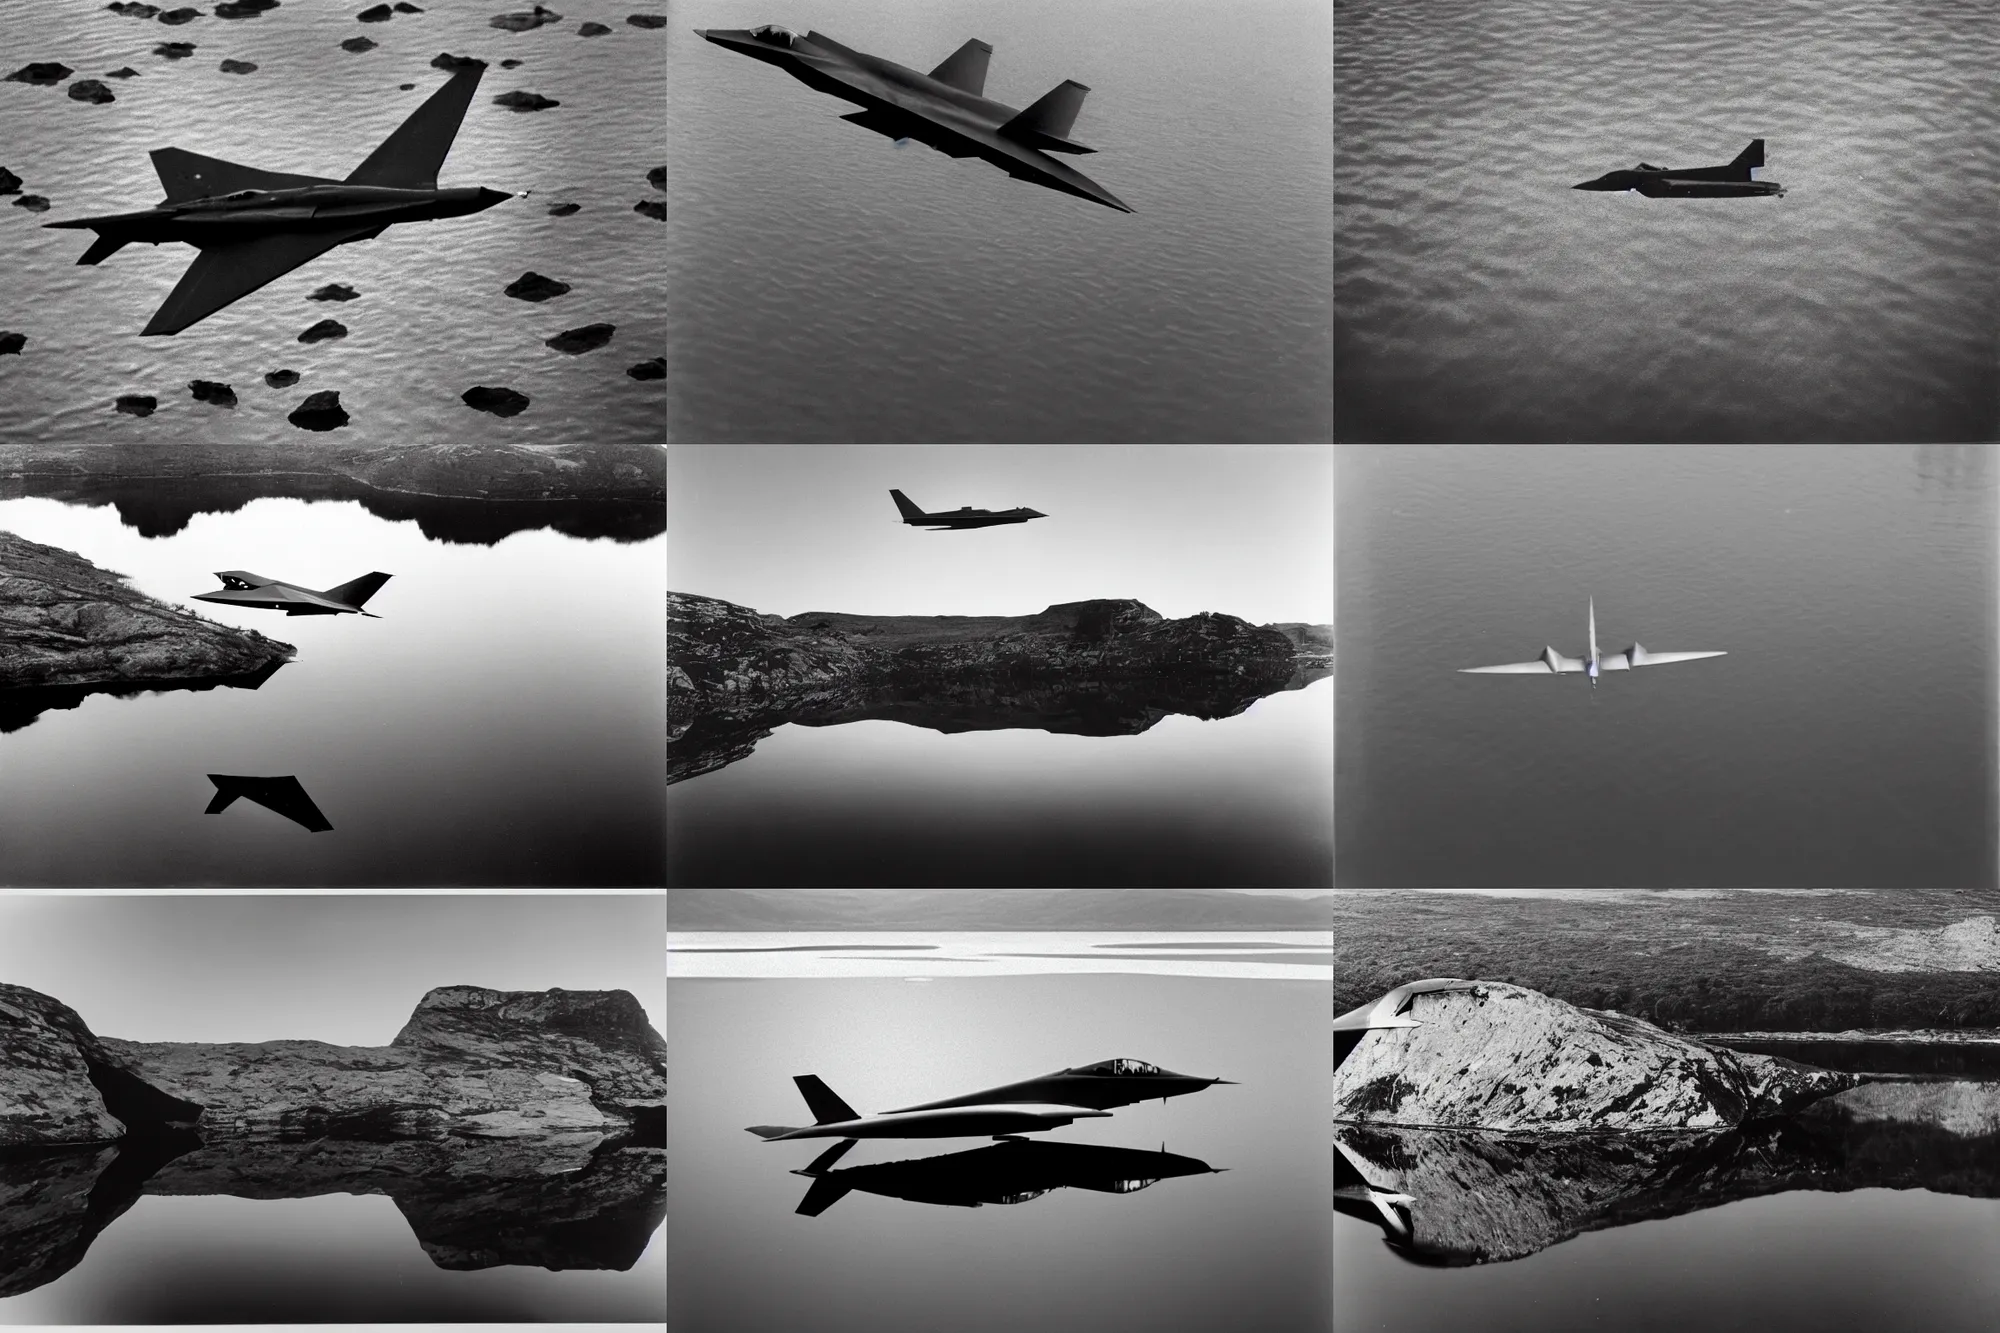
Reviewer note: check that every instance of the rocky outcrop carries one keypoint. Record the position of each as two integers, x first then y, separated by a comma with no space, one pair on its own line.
66,624
496,399
1097,668
588,338
42,73
523,22
60,1084
325,329
1501,1057
136,404
525,101
94,91
357,45
1452,1198
652,208
533,286
320,411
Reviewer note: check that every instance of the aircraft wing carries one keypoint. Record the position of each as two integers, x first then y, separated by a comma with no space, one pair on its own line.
186,175
228,271
410,157
272,592
1638,657
1538,667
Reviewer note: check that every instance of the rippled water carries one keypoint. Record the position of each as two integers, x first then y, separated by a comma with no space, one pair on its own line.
431,321
829,287
1479,298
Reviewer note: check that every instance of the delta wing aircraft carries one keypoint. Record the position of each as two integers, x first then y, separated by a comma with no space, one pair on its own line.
964,517
286,796
1733,180
254,226
944,109
242,588
1552,662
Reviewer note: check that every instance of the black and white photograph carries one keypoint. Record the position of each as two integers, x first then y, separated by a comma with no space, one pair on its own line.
343,1109
1079,1111
1604,221
1011,666
991,221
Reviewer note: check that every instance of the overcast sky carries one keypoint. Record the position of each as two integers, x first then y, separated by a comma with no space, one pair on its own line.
785,529
341,968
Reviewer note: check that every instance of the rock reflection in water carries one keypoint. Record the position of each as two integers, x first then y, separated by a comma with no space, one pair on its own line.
471,1205
1449,1198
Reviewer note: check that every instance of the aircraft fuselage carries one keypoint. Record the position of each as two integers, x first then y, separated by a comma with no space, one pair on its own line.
334,206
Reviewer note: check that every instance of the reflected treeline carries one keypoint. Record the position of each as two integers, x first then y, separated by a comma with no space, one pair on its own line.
1079,708
163,506
1450,1198
1011,1171
471,1204
18,708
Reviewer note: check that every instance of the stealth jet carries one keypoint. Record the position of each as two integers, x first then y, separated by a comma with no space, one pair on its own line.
242,588
1552,662
964,517
943,109
284,795
1011,1171
837,1120
254,226
1104,1085
1732,180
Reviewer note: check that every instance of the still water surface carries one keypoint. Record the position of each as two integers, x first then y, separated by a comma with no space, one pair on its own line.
1847,740
1237,801
503,722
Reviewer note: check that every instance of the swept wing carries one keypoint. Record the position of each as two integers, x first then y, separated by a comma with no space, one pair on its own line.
230,270
410,157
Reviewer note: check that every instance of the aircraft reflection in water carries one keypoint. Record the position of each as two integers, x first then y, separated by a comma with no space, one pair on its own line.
255,226
284,795
1011,1171
242,588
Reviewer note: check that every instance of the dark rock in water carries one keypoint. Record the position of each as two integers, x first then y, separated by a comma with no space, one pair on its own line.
43,74
445,60
173,18
647,20
93,91
34,203
501,402
586,339
521,101
9,182
376,14
1504,1058
12,343
125,72
136,404
132,9
244,9
320,411
357,45
510,64
657,178
335,291
282,379
174,50
652,208
320,332
564,210
656,369
532,286
592,30
208,391
405,7
238,67
405,87
525,22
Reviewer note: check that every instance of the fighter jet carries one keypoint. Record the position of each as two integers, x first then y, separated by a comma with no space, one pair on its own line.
964,517
254,226
838,1120
1104,1085
242,588
284,795
1552,662
1724,182
1390,1011
943,109
1011,1171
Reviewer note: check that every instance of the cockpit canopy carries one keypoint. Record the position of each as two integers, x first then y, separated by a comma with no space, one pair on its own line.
1118,1067
247,194
776,34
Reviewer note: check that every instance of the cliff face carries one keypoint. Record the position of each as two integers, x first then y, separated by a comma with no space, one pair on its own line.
1500,1057
65,623
1088,668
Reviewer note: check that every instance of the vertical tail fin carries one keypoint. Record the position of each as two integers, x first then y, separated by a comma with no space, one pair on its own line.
965,68
1053,113
1593,631
357,592
827,1109
910,512
1753,156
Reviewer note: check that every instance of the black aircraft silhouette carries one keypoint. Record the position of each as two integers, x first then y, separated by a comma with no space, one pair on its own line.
1011,1171
1102,1086
1724,182
283,795
255,226
963,517
942,109
242,588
